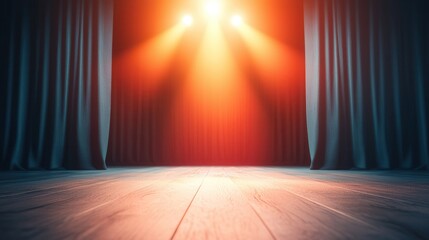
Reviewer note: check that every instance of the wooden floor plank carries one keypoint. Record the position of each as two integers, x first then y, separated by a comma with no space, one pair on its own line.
394,219
41,182
292,217
153,212
60,189
70,213
227,203
411,189
220,211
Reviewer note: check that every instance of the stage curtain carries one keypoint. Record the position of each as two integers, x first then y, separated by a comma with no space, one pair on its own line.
209,96
367,83
55,74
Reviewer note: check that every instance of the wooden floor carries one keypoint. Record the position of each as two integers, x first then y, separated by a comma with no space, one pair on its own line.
214,203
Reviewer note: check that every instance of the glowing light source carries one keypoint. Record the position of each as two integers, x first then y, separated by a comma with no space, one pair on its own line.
236,20
213,9
187,20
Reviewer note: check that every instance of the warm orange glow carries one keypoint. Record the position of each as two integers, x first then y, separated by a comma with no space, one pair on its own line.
278,65
214,73
236,20
187,20
213,9
149,62
210,110
224,94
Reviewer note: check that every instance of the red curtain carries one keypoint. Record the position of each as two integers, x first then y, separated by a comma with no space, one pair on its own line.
208,94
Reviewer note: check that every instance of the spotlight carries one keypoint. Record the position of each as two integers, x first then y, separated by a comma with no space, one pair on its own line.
213,9
187,20
236,20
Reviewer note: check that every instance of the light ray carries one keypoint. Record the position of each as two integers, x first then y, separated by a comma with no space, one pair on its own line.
236,20
187,20
216,112
213,9
277,64
147,63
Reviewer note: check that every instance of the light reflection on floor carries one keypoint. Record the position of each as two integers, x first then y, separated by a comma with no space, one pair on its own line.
213,203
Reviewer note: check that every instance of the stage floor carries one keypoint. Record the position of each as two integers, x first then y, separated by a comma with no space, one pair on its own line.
214,203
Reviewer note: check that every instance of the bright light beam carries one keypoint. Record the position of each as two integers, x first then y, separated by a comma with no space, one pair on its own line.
236,20
145,65
276,63
214,70
213,9
187,20
215,112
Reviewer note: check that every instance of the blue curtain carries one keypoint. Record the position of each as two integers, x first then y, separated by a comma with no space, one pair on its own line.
55,78
367,83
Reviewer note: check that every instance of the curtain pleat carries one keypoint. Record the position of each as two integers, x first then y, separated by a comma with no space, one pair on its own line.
55,83
233,106
367,82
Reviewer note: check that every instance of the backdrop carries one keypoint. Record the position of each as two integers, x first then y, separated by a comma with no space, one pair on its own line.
55,72
212,94
208,94
367,83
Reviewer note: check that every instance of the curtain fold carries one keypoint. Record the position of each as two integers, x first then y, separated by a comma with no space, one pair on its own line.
55,76
209,96
366,83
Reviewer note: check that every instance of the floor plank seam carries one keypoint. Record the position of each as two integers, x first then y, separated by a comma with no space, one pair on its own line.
95,183
190,204
215,202
332,209
257,214
356,191
327,207
56,192
380,180
77,215
89,231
